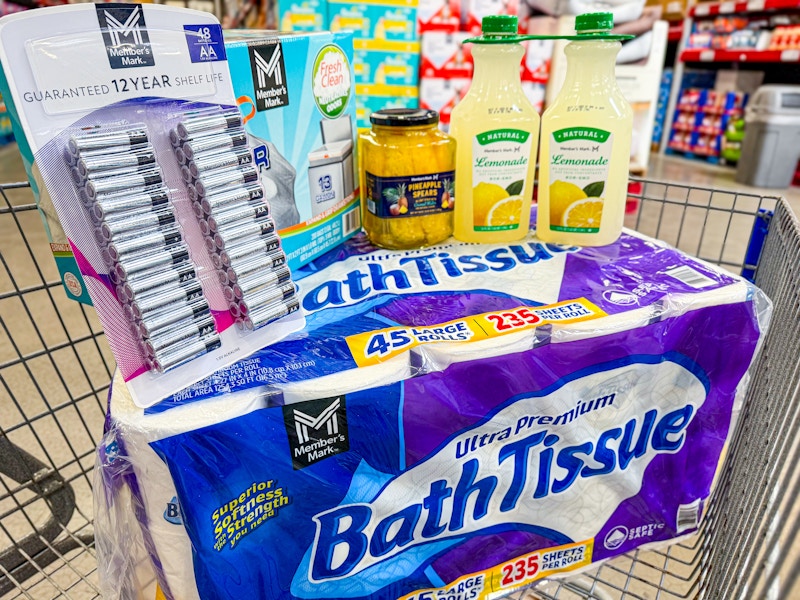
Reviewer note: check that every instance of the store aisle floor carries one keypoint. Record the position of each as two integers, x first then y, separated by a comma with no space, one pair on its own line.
701,173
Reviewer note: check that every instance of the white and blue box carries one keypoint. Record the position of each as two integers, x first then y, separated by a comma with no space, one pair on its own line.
296,92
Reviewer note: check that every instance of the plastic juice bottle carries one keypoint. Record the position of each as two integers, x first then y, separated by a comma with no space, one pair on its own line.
496,130
586,143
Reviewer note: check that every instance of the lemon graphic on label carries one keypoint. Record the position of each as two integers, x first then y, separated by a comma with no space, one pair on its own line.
585,213
484,197
562,195
505,212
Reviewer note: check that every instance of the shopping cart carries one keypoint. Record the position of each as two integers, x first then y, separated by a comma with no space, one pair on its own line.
55,371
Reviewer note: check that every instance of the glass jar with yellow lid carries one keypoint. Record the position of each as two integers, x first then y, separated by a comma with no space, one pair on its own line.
407,178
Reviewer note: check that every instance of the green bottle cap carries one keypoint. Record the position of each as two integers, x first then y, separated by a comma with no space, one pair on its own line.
599,22
499,25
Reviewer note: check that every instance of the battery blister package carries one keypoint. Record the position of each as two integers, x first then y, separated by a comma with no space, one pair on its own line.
452,423
127,122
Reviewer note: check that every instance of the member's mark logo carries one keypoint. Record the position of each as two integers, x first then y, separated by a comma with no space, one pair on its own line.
269,76
316,430
125,35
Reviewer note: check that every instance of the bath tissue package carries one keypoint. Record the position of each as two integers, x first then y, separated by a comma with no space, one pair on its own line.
453,423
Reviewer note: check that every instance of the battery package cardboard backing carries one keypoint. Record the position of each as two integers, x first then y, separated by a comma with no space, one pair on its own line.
136,151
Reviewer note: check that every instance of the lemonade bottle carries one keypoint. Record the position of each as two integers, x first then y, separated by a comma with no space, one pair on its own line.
586,143
496,130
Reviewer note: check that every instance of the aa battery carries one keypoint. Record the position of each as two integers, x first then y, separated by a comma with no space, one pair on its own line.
175,139
108,205
178,275
180,156
141,307
95,187
255,281
177,355
118,216
195,330
267,314
241,252
187,174
219,200
170,314
254,262
77,178
115,173
237,213
121,139
226,159
230,237
158,218
118,249
88,165
224,177
230,139
158,257
265,297
204,124
108,152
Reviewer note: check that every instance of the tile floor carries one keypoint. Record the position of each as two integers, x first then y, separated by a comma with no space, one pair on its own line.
43,379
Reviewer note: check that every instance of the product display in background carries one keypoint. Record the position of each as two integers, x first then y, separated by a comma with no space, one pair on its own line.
97,117
303,15
767,31
661,108
445,72
439,15
701,118
444,417
387,56
6,129
296,92
474,11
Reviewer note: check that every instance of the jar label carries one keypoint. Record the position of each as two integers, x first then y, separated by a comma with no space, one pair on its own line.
501,160
579,160
410,196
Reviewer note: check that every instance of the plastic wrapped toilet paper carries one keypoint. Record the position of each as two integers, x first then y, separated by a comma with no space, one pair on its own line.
454,422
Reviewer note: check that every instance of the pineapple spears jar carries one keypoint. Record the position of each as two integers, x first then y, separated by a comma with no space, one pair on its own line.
407,178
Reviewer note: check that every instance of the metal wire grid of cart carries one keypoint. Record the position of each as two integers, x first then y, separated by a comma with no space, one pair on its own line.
55,371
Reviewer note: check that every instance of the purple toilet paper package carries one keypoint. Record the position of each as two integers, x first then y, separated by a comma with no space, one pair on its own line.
453,423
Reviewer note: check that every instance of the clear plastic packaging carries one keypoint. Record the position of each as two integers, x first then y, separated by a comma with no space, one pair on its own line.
108,144
433,428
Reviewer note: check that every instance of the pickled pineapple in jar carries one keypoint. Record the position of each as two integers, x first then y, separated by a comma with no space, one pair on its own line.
407,179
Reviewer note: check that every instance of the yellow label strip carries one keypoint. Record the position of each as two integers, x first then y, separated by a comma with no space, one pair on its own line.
386,46
514,574
374,347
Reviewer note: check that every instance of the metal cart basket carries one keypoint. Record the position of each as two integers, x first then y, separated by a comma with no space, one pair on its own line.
55,371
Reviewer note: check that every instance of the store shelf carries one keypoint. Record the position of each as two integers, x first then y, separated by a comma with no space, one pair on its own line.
706,55
709,110
710,9
675,31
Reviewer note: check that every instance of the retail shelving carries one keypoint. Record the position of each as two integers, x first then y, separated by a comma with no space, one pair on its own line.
716,58
711,9
752,56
